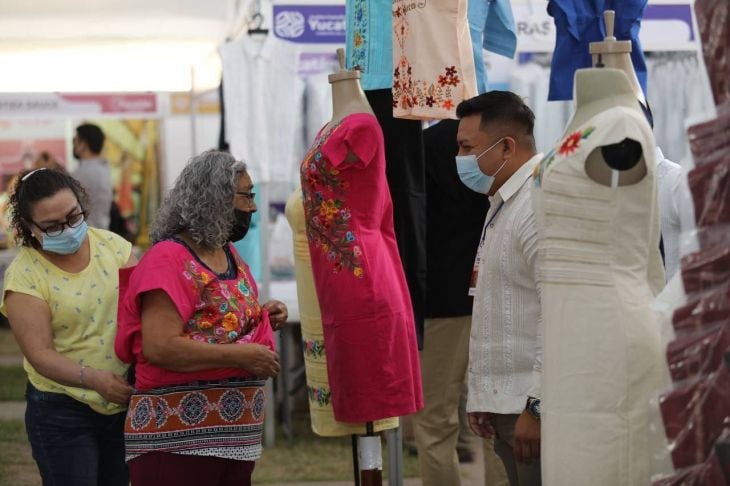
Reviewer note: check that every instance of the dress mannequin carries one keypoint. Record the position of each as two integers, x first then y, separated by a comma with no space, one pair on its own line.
597,90
612,53
600,268
595,93
347,94
367,315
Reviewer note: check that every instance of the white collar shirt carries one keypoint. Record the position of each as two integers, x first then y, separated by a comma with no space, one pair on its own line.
676,209
264,113
505,347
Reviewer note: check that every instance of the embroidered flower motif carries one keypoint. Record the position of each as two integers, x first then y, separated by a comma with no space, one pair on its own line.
358,272
243,288
409,93
328,209
319,395
313,348
360,29
327,217
205,324
230,322
567,147
570,144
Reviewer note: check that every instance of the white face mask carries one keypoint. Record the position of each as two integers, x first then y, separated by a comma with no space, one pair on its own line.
472,176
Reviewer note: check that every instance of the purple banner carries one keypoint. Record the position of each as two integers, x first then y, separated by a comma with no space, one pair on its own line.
682,13
310,24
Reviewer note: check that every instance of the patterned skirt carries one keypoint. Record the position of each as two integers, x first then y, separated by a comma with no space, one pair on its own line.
215,418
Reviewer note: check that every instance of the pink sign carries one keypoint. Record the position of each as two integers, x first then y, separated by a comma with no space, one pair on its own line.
50,104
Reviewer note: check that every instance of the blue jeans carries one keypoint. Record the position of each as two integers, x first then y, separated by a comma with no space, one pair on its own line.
72,444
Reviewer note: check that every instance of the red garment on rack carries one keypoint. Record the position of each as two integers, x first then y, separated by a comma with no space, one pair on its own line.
695,414
703,310
699,353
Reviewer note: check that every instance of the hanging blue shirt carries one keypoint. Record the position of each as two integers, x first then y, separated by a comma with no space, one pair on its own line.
369,41
492,27
580,22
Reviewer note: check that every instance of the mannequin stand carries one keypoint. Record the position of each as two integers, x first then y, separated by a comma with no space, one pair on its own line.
370,458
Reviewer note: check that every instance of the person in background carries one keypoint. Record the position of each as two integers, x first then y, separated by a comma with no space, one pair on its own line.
60,296
47,161
190,320
93,173
676,208
496,157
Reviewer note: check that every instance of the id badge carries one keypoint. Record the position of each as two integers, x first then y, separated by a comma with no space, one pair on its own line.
474,275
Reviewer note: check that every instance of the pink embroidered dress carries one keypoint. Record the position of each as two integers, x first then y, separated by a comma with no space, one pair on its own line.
367,318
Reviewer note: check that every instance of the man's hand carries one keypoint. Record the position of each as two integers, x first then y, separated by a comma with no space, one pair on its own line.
527,438
278,313
481,424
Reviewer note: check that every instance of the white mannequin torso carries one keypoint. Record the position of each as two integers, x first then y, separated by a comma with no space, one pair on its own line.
597,90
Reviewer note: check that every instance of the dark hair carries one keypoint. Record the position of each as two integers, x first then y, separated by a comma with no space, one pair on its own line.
500,108
92,135
31,187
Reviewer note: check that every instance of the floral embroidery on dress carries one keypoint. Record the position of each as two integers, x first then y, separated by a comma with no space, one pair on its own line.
320,395
328,218
360,35
227,312
409,93
568,146
313,348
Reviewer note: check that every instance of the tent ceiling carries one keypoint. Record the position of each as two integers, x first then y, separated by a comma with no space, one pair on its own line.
48,20
111,45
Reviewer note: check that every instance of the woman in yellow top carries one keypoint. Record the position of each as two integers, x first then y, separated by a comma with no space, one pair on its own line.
60,295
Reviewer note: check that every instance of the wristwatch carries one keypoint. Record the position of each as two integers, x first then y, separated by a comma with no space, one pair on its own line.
533,407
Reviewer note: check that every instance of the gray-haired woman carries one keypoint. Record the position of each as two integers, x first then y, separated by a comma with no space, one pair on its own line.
190,320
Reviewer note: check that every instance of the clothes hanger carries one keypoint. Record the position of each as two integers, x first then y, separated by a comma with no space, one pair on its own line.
257,21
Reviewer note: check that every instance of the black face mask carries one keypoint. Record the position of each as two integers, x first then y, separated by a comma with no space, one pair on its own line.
240,225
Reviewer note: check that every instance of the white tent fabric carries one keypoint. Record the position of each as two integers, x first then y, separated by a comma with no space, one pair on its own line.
111,45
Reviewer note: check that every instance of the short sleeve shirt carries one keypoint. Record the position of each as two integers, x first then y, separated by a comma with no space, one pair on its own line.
83,310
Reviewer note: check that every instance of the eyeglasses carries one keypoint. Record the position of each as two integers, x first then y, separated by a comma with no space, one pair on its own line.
73,221
247,195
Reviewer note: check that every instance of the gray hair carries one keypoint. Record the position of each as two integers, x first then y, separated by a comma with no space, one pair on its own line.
201,201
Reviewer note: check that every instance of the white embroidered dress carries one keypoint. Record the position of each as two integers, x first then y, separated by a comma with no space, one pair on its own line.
600,268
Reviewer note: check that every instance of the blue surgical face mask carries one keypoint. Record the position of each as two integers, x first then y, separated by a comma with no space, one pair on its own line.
472,176
68,242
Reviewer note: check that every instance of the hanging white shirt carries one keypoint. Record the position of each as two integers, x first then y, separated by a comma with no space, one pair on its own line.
505,347
318,105
263,97
676,209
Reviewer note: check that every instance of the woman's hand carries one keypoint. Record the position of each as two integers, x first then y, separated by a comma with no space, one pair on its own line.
278,313
113,388
260,360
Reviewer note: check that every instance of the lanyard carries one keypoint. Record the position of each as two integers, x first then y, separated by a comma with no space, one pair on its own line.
475,270
484,231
